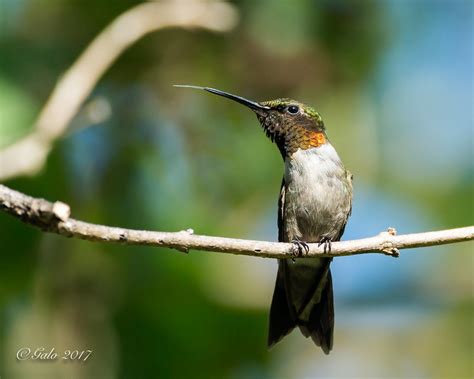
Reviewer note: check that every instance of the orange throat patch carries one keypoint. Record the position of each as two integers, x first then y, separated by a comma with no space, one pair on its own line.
306,139
314,139
317,139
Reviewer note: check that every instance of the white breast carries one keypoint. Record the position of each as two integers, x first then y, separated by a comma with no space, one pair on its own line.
318,194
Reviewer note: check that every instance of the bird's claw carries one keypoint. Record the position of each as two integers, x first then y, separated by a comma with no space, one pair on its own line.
300,247
327,244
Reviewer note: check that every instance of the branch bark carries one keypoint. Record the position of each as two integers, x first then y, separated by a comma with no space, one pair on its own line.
54,217
28,155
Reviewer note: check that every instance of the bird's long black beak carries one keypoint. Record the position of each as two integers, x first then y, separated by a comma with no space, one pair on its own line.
248,103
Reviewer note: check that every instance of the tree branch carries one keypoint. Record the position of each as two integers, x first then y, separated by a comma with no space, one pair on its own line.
54,217
28,155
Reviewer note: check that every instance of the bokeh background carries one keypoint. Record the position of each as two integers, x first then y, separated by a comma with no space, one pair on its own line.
393,81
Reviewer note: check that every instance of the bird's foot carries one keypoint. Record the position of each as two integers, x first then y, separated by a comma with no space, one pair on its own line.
299,248
326,241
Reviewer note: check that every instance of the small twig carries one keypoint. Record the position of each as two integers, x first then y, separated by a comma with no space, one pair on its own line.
28,155
54,217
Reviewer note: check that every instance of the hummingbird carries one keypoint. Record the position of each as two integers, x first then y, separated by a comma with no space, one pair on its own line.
314,205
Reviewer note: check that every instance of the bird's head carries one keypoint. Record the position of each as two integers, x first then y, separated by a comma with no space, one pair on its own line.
290,124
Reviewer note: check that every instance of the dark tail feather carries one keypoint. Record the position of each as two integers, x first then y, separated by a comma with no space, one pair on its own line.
281,322
320,325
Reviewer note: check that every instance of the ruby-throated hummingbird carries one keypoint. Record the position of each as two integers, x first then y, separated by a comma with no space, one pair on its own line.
315,203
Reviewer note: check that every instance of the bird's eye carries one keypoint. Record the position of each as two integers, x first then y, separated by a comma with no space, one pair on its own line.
293,109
